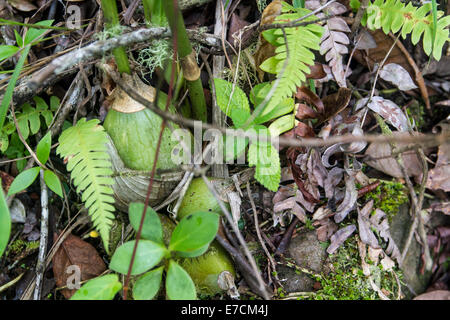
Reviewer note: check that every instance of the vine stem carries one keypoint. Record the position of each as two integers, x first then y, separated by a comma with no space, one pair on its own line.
158,147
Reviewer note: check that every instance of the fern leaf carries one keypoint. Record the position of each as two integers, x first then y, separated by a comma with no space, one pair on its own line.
334,40
293,53
394,16
84,148
29,120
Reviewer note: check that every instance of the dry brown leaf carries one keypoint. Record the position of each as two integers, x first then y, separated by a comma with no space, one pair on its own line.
335,103
265,50
439,176
386,109
434,295
347,205
22,5
339,237
74,251
365,233
379,157
334,40
398,76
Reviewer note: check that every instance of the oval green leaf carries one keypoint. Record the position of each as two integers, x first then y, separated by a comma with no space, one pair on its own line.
229,98
101,288
148,255
194,232
7,51
23,180
5,223
179,285
52,181
151,230
147,286
43,148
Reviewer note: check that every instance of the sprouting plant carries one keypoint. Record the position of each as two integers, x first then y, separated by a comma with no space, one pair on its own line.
83,147
394,16
5,223
190,238
293,54
29,121
261,153
27,177
32,36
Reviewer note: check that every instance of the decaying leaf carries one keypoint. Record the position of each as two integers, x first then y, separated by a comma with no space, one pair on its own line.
75,255
347,205
335,103
365,233
439,176
339,237
386,109
398,76
379,156
334,40
22,5
380,223
434,295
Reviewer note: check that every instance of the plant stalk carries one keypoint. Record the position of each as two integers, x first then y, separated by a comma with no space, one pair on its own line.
191,71
112,20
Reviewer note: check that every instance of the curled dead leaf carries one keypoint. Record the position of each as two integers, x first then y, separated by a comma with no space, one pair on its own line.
75,255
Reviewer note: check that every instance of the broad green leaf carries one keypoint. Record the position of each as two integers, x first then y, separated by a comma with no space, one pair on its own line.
151,230
23,180
4,142
179,285
194,232
267,162
148,255
43,148
193,254
239,117
282,108
234,146
7,51
5,223
33,33
52,181
147,286
7,96
281,125
227,99
54,103
101,288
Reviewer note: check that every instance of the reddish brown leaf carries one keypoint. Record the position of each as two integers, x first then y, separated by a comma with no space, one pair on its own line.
74,251
306,95
305,112
335,103
316,72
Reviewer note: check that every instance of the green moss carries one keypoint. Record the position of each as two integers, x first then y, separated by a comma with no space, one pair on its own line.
19,246
388,196
346,280
416,111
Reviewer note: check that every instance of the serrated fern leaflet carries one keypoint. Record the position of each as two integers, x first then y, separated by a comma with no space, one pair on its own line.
393,16
293,53
83,147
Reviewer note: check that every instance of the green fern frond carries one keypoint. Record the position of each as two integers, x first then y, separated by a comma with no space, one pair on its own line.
29,119
84,148
293,54
394,16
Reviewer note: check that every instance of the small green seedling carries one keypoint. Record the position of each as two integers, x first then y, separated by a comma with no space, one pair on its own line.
27,177
191,238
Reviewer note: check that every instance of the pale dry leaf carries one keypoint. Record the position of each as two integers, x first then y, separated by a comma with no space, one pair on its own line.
380,157
339,237
334,177
434,295
439,176
379,221
365,41
398,76
22,5
388,110
334,40
347,205
365,232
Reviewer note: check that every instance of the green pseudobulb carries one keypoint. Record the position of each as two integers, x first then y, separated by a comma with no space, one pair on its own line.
199,198
205,269
134,129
